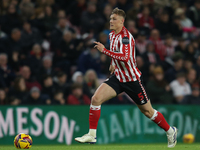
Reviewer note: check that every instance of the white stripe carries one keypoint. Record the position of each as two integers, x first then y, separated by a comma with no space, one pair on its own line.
131,70
123,78
125,69
121,45
134,67
116,43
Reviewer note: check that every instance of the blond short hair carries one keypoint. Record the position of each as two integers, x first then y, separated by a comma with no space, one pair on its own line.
119,12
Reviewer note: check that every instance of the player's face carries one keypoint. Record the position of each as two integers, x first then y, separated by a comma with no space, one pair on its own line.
116,21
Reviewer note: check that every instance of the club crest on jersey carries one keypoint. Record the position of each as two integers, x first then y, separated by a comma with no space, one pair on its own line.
125,40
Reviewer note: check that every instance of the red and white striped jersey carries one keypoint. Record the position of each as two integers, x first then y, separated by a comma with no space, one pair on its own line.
122,52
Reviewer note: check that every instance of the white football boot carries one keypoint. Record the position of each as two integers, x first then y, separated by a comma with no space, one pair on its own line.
86,139
172,139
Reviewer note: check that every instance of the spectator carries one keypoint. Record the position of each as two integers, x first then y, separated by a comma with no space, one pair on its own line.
131,27
180,87
143,68
57,33
197,66
13,42
79,79
77,97
170,74
169,46
176,27
191,76
49,20
15,62
91,80
187,64
158,89
27,9
35,59
2,83
48,86
37,20
146,22
181,47
105,64
107,12
75,10
196,46
10,20
124,5
159,46
185,22
194,98
89,59
194,13
25,72
58,98
30,36
6,72
36,98
150,57
68,49
163,24
190,52
46,68
61,83
91,21
103,39
2,34
3,97
113,3
141,43
19,90
133,12
61,14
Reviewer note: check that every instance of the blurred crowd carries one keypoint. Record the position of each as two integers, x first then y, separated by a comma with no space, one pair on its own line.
47,55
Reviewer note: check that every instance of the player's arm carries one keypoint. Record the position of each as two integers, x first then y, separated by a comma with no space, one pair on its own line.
124,51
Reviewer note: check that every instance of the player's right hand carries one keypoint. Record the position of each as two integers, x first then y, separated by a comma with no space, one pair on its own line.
112,69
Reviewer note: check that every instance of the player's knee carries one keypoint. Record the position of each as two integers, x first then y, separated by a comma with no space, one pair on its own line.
96,100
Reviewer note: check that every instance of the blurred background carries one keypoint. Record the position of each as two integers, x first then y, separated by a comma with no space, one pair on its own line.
47,55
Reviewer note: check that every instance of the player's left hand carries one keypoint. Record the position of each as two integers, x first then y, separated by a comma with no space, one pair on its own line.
99,46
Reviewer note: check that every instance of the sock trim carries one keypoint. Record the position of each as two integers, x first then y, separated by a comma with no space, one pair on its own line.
92,107
154,115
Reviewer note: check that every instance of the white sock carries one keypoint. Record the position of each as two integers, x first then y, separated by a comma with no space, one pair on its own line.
92,132
170,131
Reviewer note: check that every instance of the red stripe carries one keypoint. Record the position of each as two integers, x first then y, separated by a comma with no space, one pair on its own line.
120,75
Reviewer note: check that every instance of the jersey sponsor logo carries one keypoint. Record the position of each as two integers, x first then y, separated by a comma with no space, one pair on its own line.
125,40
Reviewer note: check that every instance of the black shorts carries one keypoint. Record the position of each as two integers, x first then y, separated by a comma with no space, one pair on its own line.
134,89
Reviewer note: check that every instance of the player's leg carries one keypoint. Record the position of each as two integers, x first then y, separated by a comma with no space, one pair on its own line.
137,92
102,94
159,119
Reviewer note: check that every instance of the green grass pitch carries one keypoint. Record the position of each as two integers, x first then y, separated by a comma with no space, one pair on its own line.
180,146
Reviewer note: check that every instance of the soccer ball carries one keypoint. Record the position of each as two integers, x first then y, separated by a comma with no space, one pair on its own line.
23,141
188,138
